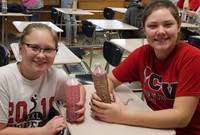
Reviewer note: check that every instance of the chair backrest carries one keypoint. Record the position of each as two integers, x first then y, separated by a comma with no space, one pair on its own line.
54,15
194,41
4,55
108,13
88,28
112,53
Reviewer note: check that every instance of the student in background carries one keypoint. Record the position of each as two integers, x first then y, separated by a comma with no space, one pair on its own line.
169,73
28,88
71,31
34,6
133,16
189,4
193,18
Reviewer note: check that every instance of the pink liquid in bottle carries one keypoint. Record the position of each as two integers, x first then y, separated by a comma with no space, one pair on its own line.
72,97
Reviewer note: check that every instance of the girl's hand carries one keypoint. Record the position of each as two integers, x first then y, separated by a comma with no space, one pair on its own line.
192,13
80,112
107,112
54,125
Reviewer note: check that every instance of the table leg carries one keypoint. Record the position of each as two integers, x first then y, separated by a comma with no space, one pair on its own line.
5,30
61,24
2,34
70,29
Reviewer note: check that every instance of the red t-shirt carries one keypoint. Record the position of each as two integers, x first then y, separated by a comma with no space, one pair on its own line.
193,4
163,80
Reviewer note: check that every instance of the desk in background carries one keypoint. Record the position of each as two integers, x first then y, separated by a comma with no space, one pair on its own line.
71,12
188,25
4,22
129,44
92,126
119,9
110,25
20,25
63,56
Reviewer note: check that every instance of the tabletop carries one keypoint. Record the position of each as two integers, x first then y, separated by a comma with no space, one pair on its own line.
63,56
70,11
188,25
93,126
20,25
129,44
112,24
119,9
4,24
14,14
94,10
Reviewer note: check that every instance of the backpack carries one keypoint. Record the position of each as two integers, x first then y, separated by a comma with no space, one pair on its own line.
16,8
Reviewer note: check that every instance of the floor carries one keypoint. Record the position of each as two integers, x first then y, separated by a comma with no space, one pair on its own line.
97,55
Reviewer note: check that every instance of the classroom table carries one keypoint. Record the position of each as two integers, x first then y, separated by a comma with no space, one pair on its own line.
188,25
110,25
94,10
119,9
77,12
129,44
20,25
63,56
4,23
93,126
72,12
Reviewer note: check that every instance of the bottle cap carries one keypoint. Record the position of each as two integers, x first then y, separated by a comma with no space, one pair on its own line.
72,75
97,64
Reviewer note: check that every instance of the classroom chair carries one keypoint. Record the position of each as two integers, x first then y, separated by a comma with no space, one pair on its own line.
4,56
113,55
108,13
194,41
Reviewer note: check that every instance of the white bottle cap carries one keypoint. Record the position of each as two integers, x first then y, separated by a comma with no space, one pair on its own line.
97,64
72,75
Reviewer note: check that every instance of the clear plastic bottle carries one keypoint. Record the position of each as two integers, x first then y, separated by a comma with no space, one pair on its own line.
101,83
184,15
4,6
72,97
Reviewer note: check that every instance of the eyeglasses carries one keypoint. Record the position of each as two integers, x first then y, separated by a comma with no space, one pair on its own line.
33,48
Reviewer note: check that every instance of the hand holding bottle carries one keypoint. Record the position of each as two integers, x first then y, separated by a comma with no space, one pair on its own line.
101,83
72,98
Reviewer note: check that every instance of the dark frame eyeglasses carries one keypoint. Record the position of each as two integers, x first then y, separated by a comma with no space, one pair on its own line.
36,49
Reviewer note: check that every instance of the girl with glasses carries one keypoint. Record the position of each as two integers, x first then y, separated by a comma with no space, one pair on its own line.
28,88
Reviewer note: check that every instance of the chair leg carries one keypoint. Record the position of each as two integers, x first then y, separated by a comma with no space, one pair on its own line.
86,65
91,55
107,67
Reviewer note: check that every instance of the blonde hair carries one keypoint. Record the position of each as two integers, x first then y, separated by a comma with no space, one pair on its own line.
37,26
